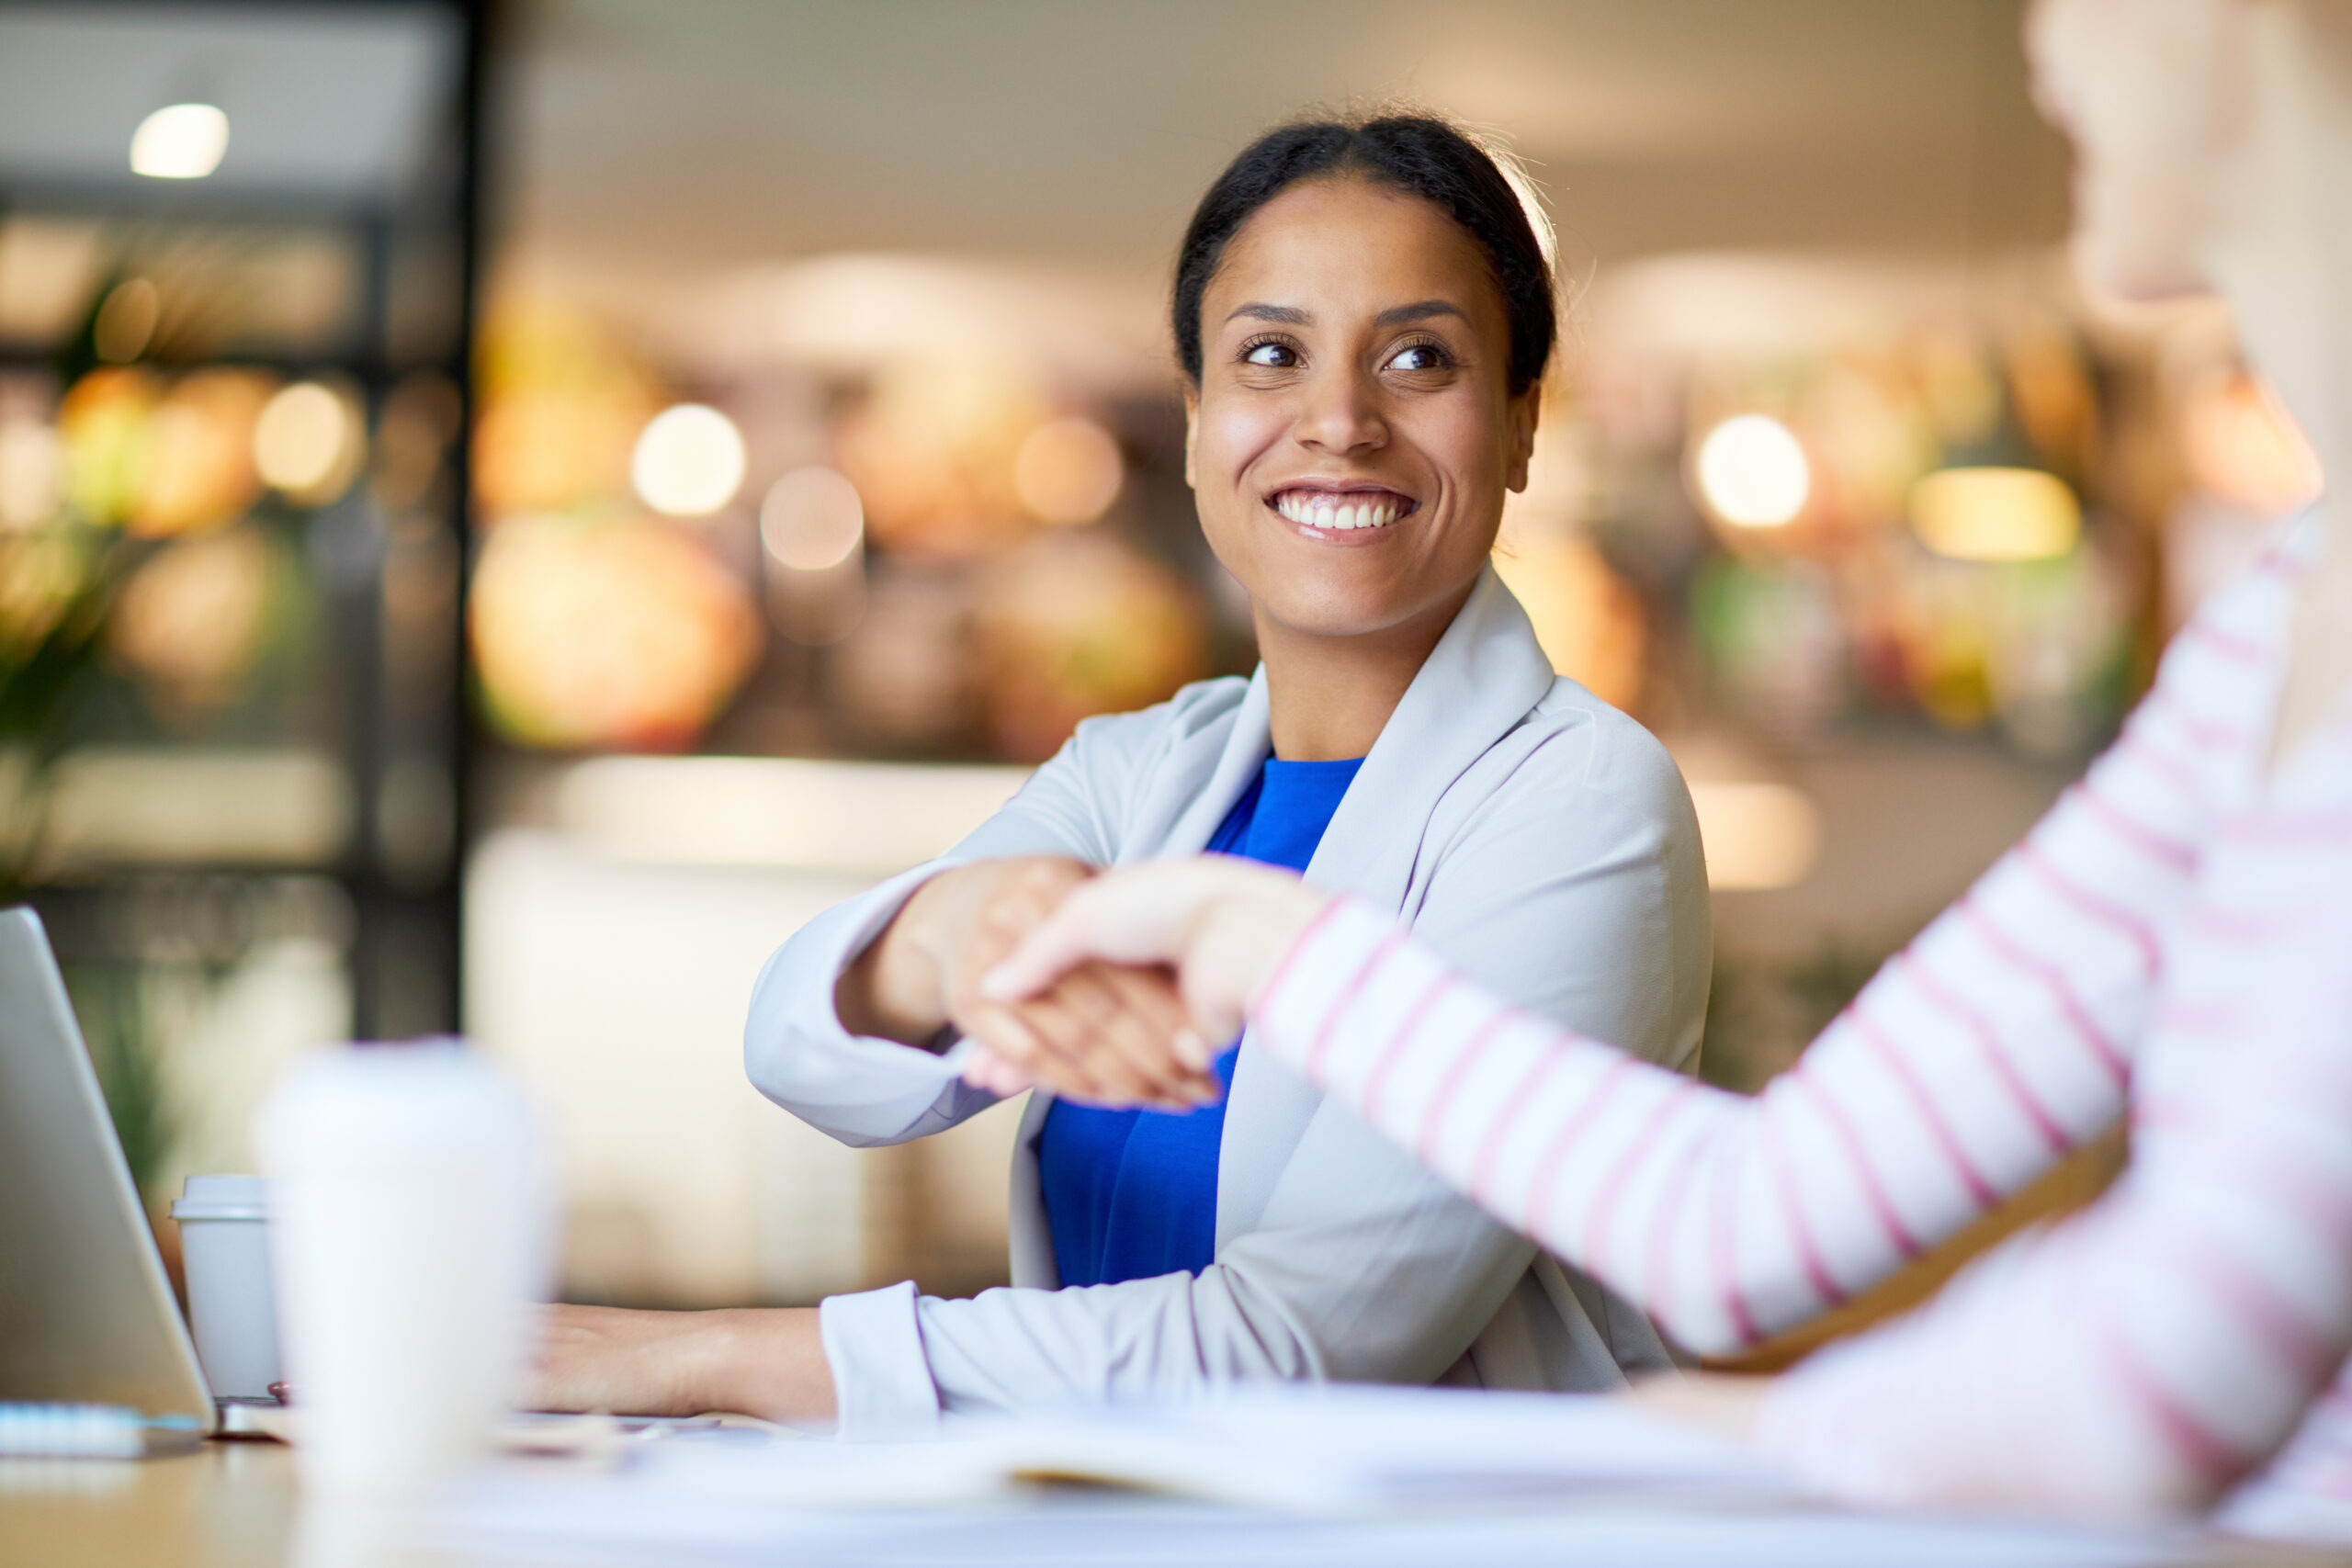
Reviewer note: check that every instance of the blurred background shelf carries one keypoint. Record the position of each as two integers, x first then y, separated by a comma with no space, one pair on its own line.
231,506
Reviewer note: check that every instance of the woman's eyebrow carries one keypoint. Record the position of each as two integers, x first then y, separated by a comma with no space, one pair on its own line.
1395,315
1398,315
1288,315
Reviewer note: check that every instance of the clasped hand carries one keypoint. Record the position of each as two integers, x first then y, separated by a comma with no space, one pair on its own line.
1119,989
1101,1032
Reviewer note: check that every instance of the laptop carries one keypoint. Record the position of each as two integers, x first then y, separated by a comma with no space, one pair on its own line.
86,1313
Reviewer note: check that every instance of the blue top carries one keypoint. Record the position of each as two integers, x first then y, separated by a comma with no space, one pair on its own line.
1132,1194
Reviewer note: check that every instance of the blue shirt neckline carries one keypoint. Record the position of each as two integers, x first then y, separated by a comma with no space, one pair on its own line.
1132,1194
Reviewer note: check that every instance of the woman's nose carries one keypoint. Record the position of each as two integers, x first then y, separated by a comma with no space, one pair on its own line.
1342,414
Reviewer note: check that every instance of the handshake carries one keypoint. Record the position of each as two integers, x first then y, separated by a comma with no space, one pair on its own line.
1115,988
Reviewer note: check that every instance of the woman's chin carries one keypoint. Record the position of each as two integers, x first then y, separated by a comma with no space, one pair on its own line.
1342,610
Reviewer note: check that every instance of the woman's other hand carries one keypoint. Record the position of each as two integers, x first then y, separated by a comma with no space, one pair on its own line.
1221,924
765,1361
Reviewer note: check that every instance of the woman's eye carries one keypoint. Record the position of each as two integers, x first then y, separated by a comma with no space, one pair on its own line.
1419,356
1278,355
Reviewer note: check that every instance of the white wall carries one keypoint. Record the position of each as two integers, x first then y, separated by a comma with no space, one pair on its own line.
610,958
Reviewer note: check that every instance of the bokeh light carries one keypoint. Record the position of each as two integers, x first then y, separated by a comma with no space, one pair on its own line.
1068,470
1758,835
197,471
190,619
811,520
31,469
688,462
183,141
306,443
1752,473
607,634
1996,514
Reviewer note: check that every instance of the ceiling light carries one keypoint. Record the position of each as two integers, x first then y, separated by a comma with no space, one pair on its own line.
183,141
689,461
1752,473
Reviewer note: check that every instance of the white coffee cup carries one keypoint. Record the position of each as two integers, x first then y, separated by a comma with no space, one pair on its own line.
232,1310
409,1240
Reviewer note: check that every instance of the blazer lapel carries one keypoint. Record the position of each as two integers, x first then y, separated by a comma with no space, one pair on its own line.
1479,682
1192,803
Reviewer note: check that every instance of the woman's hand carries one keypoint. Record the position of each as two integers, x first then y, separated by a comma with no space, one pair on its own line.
1222,924
765,1361
1095,1034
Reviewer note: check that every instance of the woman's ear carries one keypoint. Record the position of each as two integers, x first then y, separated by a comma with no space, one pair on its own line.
1525,410
1191,429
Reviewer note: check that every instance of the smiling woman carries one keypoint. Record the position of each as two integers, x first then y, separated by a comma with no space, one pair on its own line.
1364,311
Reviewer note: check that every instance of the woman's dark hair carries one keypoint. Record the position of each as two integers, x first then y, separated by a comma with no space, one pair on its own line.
1415,153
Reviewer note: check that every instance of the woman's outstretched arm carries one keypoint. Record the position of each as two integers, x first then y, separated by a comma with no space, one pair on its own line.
1998,1040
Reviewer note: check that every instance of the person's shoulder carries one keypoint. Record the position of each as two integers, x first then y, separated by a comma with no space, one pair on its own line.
1571,736
2242,625
1155,729
1577,783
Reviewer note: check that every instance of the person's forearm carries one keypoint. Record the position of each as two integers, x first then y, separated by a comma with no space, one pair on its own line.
765,1361
895,988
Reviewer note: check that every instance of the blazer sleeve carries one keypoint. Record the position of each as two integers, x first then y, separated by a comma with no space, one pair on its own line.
867,1091
1363,1267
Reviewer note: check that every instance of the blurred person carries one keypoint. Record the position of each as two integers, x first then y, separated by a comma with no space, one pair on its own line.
1364,312
2173,944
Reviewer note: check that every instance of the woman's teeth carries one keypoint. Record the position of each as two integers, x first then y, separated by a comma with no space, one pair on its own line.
1322,509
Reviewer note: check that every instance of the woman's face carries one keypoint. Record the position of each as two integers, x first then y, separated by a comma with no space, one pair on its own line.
2147,91
1353,434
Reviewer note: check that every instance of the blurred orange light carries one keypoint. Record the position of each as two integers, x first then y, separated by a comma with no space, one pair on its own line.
625,633
183,141
1757,835
1068,470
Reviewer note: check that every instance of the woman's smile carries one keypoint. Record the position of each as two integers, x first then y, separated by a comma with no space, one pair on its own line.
1340,512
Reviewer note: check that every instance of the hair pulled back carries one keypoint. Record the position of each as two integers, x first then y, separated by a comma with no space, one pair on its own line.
1416,154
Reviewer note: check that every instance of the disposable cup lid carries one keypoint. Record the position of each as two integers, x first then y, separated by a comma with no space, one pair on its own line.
222,1198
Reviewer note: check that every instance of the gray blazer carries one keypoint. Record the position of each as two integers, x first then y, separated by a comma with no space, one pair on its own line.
1539,839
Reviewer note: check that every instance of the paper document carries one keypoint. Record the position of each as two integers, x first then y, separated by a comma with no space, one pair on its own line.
1290,1476
1345,1449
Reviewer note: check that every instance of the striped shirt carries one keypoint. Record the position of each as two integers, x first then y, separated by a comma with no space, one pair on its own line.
2173,942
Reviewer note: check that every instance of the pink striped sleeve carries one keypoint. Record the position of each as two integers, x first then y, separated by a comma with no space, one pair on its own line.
2000,1039
2152,1352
